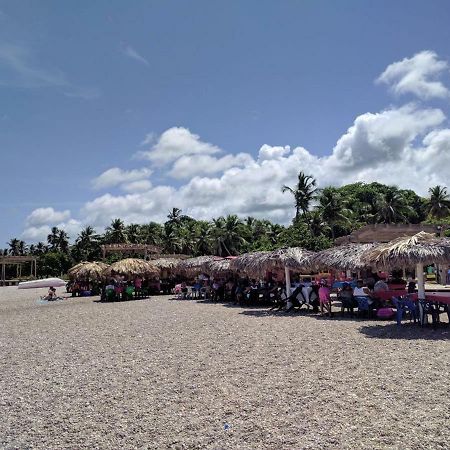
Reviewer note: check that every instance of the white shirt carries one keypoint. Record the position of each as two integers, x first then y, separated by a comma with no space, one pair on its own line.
359,292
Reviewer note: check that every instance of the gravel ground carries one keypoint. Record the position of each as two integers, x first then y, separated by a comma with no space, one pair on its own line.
161,373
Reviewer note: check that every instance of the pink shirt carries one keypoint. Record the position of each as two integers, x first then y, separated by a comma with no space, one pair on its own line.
324,294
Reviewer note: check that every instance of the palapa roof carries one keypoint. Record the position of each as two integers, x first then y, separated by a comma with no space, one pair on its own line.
218,266
133,266
192,266
408,251
166,263
92,270
257,263
342,257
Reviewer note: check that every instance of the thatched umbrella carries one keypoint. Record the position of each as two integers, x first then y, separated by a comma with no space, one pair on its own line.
193,266
258,263
342,257
218,266
88,270
419,250
166,263
133,267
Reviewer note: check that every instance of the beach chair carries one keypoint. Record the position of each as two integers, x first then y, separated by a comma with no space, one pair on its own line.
110,295
129,292
405,305
363,306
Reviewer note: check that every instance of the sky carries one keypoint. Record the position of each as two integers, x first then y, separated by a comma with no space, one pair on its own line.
127,109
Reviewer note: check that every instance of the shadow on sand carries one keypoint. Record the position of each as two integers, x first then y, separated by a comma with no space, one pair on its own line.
407,331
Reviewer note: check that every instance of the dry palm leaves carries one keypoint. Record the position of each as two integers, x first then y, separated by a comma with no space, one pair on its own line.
134,266
166,263
258,263
408,251
88,270
343,257
193,266
217,267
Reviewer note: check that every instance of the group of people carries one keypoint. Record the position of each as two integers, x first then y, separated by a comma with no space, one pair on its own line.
362,295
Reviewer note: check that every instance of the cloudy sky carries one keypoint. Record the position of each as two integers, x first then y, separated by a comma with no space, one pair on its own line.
127,109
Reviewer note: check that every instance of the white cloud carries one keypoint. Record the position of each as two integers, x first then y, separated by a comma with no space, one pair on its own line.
133,54
190,166
116,176
35,234
408,146
46,216
175,143
417,75
149,138
137,186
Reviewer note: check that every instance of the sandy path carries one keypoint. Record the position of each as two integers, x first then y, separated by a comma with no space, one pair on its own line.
162,374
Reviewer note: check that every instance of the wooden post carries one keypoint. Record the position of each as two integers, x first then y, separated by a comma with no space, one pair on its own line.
287,275
420,281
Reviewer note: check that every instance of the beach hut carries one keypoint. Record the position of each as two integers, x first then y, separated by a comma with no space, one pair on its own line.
218,267
343,257
193,266
88,270
418,250
287,259
133,267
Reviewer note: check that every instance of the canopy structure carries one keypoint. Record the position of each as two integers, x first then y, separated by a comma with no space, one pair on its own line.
133,267
419,250
16,261
342,257
166,263
218,267
88,270
258,263
194,266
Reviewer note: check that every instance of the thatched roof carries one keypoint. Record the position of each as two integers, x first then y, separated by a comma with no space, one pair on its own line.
193,266
166,263
342,257
257,263
133,266
408,251
218,266
91,270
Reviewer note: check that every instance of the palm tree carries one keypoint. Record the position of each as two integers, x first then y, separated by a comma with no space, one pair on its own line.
151,233
203,238
332,208
87,244
303,192
392,207
14,247
52,238
132,233
228,235
115,233
316,223
438,205
63,241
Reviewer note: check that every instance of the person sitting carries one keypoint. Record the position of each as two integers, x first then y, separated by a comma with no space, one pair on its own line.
51,295
324,298
184,290
138,285
362,295
380,286
346,298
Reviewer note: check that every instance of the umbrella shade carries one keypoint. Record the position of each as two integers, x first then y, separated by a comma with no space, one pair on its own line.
193,266
258,263
343,257
166,263
85,270
133,267
218,267
422,248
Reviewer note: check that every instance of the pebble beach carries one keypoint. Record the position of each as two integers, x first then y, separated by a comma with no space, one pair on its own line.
161,373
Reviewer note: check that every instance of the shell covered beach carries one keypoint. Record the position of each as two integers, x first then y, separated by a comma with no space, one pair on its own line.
181,374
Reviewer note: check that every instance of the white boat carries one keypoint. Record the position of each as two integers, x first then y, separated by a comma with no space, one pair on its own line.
44,283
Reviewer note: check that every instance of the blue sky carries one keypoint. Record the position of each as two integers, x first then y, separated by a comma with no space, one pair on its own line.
82,84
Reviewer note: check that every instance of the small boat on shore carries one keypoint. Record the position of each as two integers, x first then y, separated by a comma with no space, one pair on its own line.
43,283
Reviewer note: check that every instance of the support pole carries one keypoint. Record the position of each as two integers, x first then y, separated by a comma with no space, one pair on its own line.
287,275
420,281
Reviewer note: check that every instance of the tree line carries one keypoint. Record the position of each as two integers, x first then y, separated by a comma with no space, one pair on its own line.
321,215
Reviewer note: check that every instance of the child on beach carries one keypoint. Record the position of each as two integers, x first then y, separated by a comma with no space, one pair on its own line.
324,298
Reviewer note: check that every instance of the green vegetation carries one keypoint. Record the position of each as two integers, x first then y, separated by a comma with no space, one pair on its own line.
321,215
